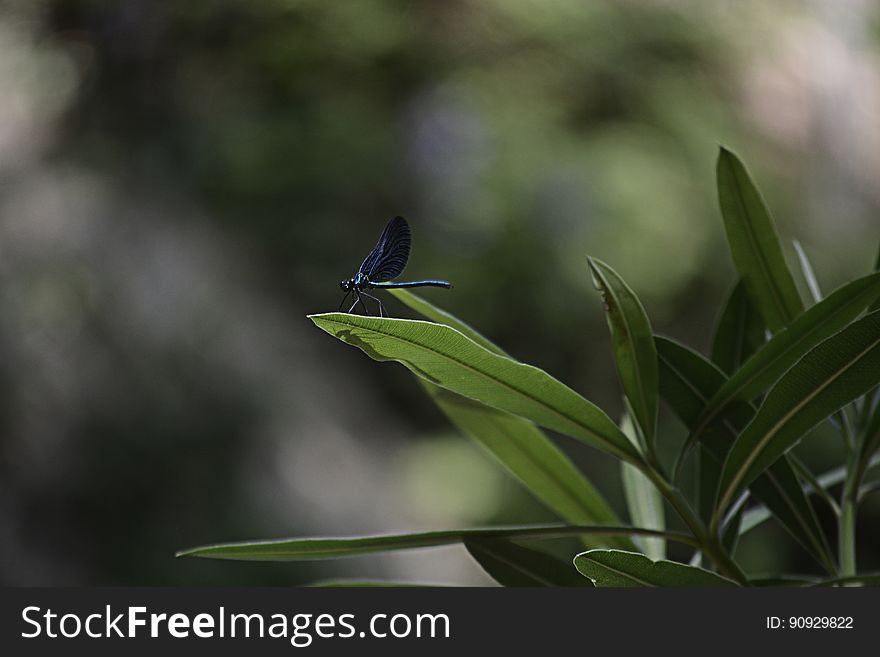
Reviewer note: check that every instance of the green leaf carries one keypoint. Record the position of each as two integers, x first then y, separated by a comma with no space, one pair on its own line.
687,381
439,316
867,579
828,377
739,331
759,514
446,357
616,568
633,342
870,442
517,444
708,472
531,457
805,474
643,500
808,273
731,533
786,347
876,304
510,564
754,244
309,549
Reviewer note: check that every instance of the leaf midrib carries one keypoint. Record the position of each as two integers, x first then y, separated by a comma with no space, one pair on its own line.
621,573
608,443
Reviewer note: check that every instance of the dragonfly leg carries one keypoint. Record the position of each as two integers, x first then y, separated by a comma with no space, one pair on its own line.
378,301
341,303
361,301
353,305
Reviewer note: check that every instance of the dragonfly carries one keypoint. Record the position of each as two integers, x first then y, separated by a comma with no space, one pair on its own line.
384,263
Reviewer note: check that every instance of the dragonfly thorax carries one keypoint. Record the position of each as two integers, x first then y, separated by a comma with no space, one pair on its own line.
359,282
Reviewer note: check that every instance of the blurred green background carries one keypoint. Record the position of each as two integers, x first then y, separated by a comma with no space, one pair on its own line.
181,183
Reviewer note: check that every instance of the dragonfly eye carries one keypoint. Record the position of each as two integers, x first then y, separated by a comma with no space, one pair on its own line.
344,285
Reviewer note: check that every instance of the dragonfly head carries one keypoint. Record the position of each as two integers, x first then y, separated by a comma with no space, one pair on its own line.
345,285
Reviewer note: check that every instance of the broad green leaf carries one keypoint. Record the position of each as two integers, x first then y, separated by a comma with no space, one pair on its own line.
828,377
510,564
754,244
531,457
446,357
643,500
616,568
519,445
786,347
687,381
435,314
808,273
739,331
633,342
308,549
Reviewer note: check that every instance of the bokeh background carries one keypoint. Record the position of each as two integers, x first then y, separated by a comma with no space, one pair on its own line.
182,182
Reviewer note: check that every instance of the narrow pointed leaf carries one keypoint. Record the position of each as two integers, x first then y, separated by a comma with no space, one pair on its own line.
870,442
739,331
808,273
531,457
616,568
643,501
309,549
633,342
828,377
446,357
687,381
754,244
786,347
510,564
806,475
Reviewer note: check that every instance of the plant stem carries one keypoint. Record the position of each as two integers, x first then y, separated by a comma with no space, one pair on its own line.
846,429
710,546
847,526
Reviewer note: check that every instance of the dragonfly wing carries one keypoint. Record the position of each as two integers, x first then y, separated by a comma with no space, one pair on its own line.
388,259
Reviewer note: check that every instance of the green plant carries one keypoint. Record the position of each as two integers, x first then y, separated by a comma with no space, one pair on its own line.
777,369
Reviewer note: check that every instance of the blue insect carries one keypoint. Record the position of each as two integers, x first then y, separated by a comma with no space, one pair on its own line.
385,262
